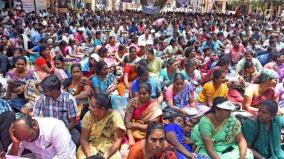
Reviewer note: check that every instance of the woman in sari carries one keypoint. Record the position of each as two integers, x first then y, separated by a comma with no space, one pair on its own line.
44,64
140,111
21,72
79,87
167,74
263,134
61,67
223,64
102,130
218,135
216,87
17,78
148,147
175,134
155,64
103,81
129,75
262,89
180,94
192,75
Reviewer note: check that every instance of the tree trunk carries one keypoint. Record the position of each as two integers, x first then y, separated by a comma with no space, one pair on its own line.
35,6
10,4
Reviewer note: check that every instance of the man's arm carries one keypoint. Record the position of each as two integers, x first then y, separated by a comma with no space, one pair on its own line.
16,148
72,113
61,140
38,105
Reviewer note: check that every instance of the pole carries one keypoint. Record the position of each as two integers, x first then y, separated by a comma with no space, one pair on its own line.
10,4
35,6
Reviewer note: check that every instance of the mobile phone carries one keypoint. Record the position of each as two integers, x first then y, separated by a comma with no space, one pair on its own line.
229,149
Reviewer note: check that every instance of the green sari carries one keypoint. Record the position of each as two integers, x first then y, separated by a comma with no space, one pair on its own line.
222,136
268,141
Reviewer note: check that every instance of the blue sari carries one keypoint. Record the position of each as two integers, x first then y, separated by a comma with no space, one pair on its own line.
180,136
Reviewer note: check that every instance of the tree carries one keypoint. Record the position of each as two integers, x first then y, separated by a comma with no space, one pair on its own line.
259,4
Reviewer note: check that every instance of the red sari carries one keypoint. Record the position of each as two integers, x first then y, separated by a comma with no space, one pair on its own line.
143,114
268,94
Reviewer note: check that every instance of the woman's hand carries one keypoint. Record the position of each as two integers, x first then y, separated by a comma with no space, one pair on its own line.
26,110
192,156
187,141
2,155
20,89
129,125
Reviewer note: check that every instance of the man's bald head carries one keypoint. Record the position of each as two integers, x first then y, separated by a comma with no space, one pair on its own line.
24,128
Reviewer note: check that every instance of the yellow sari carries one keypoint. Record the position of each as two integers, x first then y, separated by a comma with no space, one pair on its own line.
101,133
210,91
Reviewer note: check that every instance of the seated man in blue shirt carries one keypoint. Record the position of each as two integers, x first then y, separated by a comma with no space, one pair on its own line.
143,76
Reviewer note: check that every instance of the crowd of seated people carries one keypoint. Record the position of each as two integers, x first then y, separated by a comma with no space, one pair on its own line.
127,85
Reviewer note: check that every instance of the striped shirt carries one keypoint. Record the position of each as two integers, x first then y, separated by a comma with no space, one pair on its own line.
63,108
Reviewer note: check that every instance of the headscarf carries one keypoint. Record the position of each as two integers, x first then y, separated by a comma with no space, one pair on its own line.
266,75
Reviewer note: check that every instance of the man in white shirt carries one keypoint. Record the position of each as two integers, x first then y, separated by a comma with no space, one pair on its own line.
46,138
146,38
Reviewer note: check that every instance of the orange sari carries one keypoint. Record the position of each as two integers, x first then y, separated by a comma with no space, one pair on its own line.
138,149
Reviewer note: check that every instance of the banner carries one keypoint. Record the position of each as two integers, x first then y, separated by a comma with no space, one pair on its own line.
40,5
126,1
183,2
28,5
151,10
